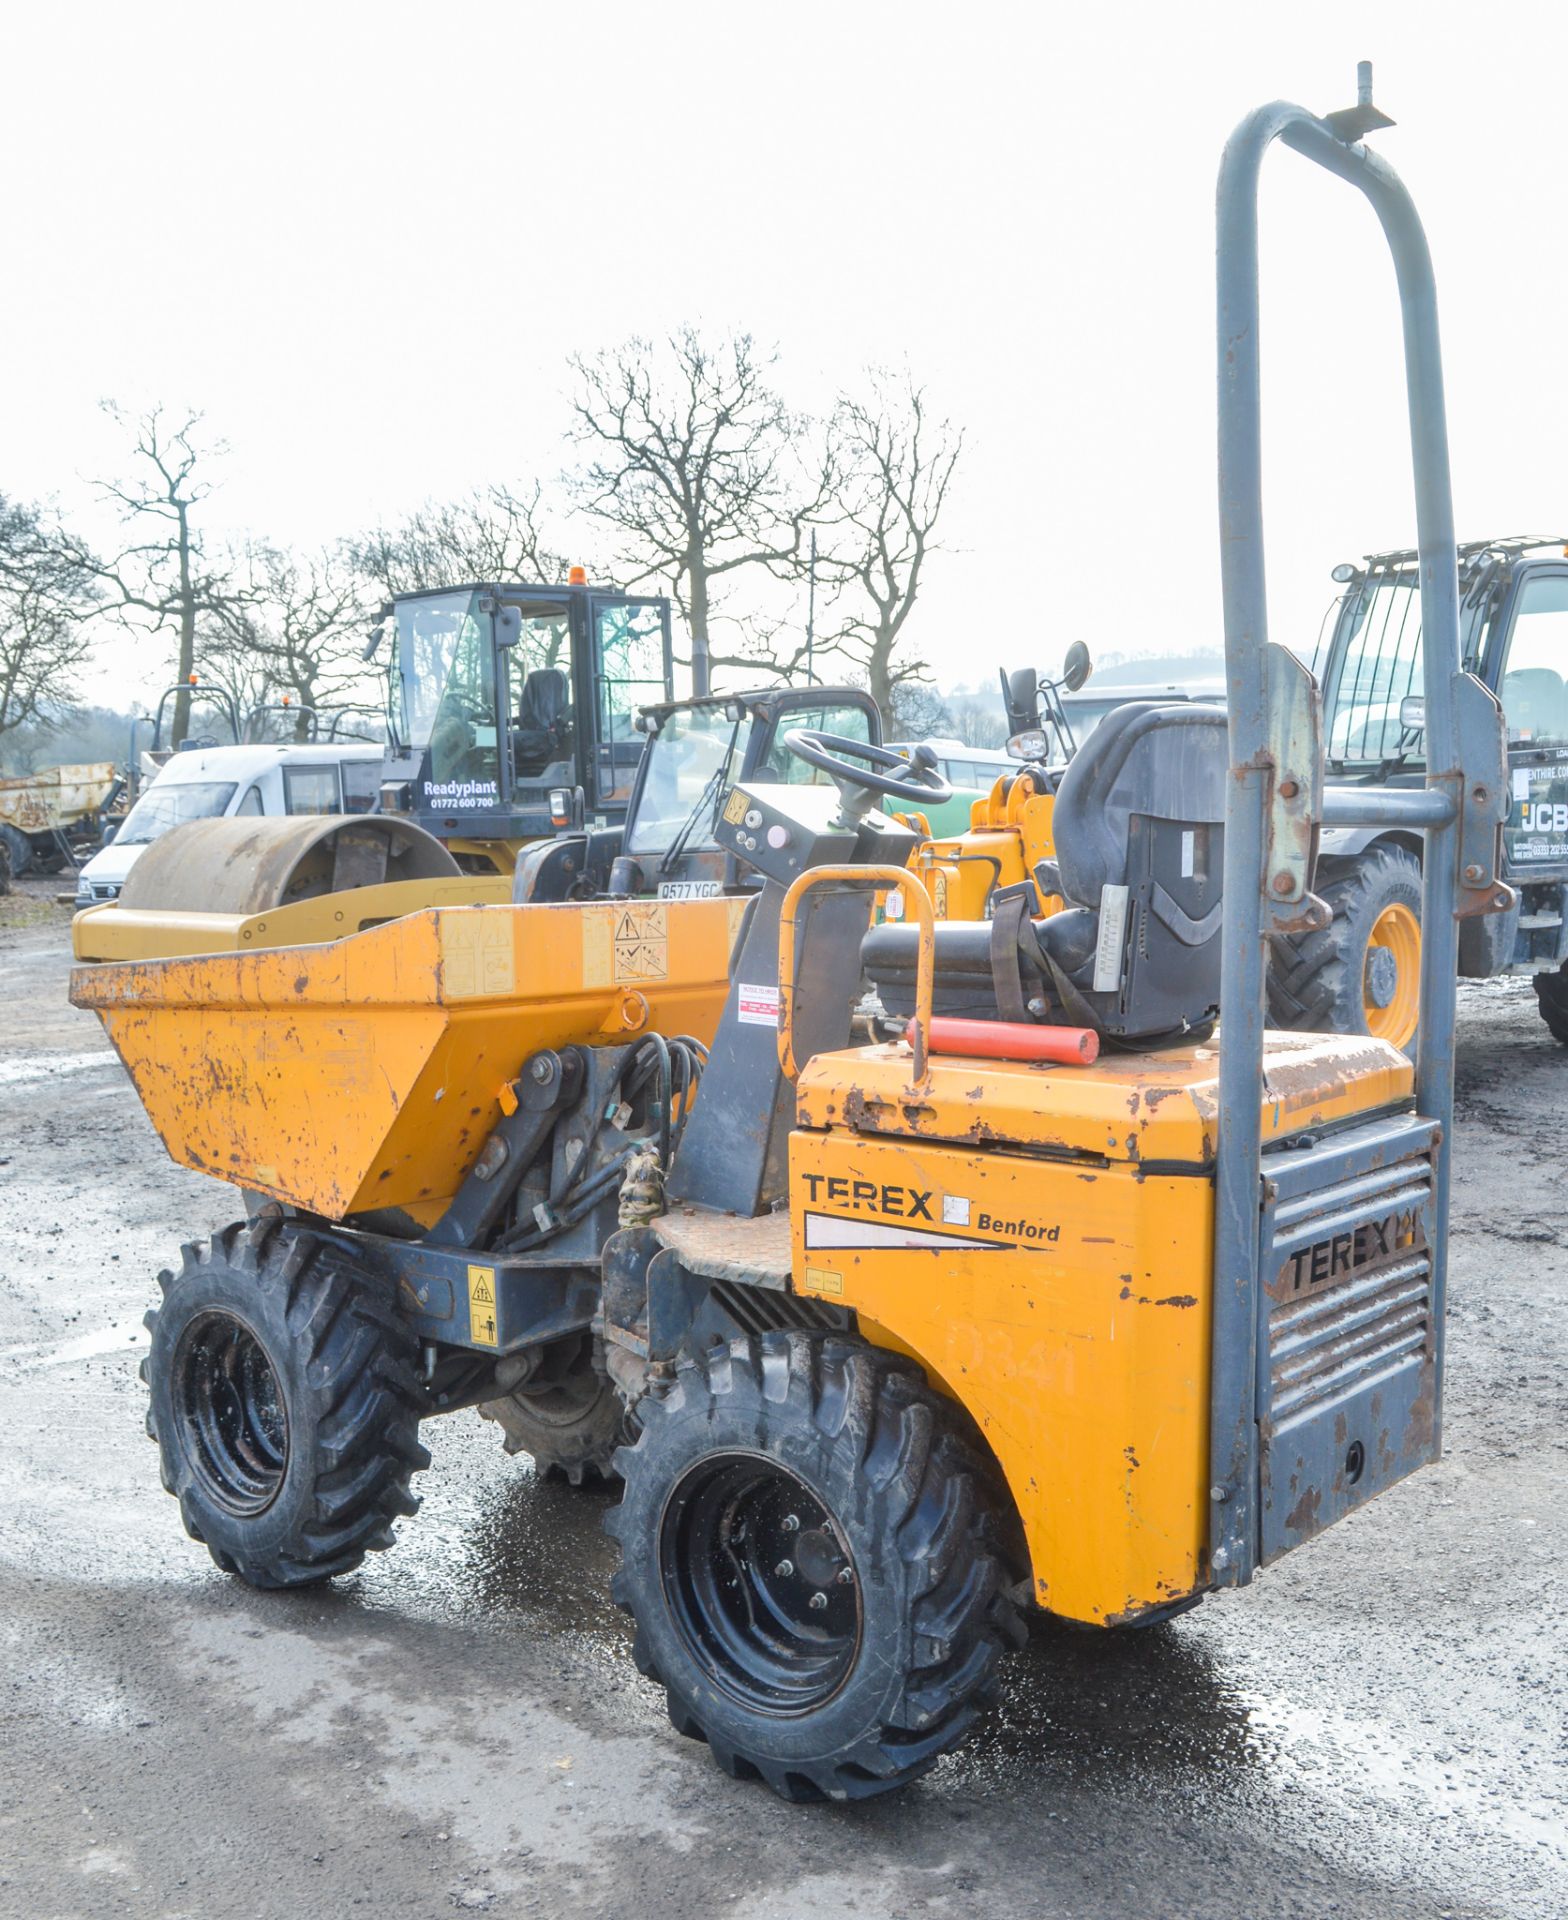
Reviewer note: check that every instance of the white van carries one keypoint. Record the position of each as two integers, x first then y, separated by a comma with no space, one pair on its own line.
205,783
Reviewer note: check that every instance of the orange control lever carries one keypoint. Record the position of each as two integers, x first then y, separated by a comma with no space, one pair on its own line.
1011,1040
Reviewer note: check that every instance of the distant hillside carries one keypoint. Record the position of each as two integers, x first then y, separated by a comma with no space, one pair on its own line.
1159,669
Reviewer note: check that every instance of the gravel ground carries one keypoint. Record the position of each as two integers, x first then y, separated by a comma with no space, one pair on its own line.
1373,1728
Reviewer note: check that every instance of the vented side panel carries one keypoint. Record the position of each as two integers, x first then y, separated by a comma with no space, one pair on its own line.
1348,1348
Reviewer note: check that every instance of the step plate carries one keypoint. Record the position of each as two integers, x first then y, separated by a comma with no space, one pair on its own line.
1350,1346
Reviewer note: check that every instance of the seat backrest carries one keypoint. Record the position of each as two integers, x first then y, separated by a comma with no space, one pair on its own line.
1144,760
544,698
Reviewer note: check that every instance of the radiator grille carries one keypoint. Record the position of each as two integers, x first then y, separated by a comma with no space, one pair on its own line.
1352,1287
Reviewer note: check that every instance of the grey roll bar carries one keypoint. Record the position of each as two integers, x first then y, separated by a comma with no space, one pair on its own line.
1275,800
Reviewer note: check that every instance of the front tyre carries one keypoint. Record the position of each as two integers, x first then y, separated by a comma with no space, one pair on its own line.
284,1404
1551,996
1362,972
809,1559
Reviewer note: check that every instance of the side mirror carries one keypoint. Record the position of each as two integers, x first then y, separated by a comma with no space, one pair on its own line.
1412,713
508,626
111,828
1021,698
1077,667
373,644
1028,745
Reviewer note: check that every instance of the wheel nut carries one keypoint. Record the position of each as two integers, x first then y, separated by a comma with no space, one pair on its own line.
846,1576
784,1569
818,1602
791,1523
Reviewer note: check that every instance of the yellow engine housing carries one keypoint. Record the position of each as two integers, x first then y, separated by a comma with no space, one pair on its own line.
1041,1240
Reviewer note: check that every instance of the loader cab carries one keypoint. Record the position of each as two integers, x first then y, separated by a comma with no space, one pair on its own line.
692,753
1514,636
500,695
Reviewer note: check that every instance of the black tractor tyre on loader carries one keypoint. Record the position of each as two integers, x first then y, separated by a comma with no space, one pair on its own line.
20,849
5,867
284,1403
812,1562
1551,996
1360,973
570,1420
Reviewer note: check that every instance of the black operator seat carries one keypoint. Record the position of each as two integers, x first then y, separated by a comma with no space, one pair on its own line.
1139,833
543,733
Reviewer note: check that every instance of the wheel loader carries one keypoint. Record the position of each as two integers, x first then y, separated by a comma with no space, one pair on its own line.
1047,1303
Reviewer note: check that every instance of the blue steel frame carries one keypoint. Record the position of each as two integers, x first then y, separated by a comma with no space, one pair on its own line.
1255,810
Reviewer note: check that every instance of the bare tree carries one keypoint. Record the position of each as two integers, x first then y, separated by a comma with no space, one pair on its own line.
297,629
491,535
46,594
162,581
898,465
700,470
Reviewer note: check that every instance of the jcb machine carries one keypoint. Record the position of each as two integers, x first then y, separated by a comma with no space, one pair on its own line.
902,1337
504,700
1359,973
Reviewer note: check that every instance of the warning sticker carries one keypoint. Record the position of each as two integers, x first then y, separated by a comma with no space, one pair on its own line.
638,945
625,944
735,807
822,1280
482,1328
758,1006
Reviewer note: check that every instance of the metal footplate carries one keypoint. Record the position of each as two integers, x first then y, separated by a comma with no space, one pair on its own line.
1349,1345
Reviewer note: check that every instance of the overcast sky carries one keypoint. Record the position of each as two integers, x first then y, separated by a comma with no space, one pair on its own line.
364,238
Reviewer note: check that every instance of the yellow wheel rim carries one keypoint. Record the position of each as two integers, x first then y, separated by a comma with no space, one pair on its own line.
1391,975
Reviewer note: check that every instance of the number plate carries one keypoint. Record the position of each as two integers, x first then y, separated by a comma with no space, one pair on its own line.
690,889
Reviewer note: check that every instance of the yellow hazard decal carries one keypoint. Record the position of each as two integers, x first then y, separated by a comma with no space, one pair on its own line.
735,807
482,1329
821,1280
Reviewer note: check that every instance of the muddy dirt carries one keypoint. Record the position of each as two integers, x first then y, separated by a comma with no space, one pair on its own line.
1373,1728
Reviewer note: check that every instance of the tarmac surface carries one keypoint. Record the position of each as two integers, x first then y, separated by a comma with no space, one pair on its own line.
1376,1727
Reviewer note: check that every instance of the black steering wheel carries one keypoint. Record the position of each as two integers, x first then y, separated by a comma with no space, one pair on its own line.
857,766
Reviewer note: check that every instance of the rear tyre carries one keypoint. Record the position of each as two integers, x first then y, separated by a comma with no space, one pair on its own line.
5,867
1362,972
20,848
810,1560
284,1403
1551,996
570,1421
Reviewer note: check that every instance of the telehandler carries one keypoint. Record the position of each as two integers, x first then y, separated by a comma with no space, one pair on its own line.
907,1335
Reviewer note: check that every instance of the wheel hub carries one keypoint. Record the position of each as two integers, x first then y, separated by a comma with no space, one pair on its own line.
761,1583
231,1410
1382,977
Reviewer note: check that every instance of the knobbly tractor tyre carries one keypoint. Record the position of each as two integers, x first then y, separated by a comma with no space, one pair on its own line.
1551,996
5,867
569,1420
19,848
1362,972
810,1562
284,1403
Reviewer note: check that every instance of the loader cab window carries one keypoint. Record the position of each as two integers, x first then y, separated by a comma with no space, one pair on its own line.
1533,686
632,657
778,763
446,658
692,763
1377,664
251,803
542,699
